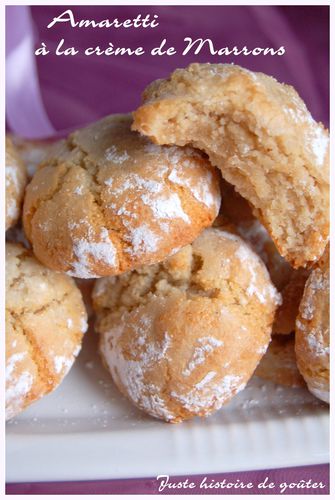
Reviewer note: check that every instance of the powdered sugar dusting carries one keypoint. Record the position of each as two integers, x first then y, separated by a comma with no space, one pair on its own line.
316,343
207,378
131,372
206,346
86,251
112,154
200,188
17,386
62,364
211,395
251,261
317,281
12,209
319,144
143,240
11,177
166,207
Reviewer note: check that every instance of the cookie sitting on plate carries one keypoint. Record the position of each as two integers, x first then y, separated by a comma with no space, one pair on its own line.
107,201
45,322
313,330
182,337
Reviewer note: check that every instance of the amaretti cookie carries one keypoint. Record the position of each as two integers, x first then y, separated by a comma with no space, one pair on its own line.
45,322
312,330
279,363
109,201
16,180
261,136
182,337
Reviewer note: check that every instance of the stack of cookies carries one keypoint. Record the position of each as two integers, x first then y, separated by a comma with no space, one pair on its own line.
203,220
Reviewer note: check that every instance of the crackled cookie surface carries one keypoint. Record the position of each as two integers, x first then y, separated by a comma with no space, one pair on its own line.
182,337
261,136
312,330
279,363
45,322
16,179
109,201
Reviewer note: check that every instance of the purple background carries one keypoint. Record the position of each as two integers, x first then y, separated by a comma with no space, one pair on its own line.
150,486
52,94
77,90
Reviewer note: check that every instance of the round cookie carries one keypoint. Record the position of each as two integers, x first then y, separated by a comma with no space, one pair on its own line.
261,136
182,337
45,322
109,201
312,330
16,179
279,363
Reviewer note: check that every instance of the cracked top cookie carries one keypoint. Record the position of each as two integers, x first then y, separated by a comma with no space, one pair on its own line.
182,337
16,179
261,136
313,330
45,322
107,201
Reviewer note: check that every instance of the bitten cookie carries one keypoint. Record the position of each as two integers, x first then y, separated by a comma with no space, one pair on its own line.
279,363
16,179
182,337
312,331
262,137
109,201
45,322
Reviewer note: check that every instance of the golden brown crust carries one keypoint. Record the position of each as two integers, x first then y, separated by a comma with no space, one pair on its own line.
180,338
45,321
109,201
16,179
312,330
279,364
262,137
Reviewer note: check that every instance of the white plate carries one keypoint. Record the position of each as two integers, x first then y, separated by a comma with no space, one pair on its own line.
86,430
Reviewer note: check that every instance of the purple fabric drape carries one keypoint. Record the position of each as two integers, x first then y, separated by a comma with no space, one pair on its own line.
49,94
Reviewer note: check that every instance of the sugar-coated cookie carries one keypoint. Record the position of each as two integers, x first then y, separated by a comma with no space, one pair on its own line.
109,201
182,337
16,180
45,322
262,137
312,330
279,363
